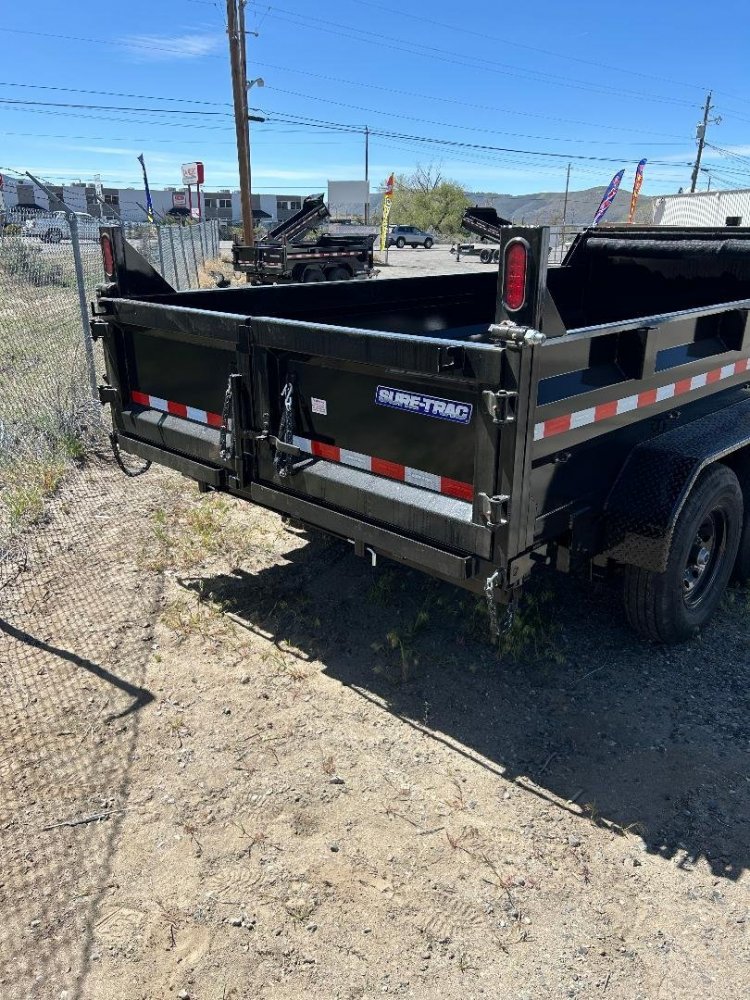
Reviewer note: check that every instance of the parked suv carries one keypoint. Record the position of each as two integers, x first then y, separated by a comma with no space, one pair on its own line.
54,227
400,236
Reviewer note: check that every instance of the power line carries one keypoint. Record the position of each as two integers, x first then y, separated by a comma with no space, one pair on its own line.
445,55
462,103
114,93
629,71
109,107
468,128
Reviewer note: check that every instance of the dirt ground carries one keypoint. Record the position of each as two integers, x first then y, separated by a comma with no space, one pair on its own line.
238,762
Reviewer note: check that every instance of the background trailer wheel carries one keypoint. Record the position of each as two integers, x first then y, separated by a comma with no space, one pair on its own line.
674,605
313,273
338,274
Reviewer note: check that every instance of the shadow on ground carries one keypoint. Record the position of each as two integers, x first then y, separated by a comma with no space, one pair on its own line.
74,642
652,741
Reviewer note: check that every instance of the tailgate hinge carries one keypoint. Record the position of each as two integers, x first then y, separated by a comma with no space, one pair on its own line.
108,394
501,405
495,509
98,328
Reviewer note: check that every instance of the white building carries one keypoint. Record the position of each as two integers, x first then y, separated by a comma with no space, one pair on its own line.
704,208
348,198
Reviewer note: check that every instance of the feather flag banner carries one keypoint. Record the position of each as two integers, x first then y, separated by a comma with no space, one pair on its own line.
636,189
149,203
387,199
609,197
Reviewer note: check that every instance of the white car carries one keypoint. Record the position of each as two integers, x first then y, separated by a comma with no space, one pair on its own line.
55,227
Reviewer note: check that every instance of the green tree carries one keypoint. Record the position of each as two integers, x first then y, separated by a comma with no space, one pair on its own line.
427,200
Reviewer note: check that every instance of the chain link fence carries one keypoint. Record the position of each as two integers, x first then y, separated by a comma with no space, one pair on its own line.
50,265
73,602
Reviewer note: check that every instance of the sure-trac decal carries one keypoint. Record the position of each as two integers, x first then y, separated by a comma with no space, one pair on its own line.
427,406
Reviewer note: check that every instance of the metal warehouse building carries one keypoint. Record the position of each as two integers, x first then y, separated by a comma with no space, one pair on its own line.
704,208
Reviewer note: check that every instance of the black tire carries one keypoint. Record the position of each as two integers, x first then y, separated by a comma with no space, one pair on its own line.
338,274
485,256
741,571
53,236
313,273
401,242
674,605
496,257
428,243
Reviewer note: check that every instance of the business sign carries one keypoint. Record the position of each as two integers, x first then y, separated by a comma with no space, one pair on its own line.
179,199
192,173
195,212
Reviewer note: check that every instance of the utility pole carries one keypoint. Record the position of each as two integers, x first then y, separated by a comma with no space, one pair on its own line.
367,171
565,207
236,33
700,135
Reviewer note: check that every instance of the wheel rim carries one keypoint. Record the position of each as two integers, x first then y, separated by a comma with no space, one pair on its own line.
704,558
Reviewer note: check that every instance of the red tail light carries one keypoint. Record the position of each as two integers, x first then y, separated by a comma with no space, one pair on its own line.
108,256
514,275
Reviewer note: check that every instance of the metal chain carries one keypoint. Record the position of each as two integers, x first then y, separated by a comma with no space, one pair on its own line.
283,462
224,452
130,473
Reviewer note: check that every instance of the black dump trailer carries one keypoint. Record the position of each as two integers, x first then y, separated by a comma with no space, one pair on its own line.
484,222
474,426
282,256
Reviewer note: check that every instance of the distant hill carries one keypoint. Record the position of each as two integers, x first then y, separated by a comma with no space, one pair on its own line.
546,208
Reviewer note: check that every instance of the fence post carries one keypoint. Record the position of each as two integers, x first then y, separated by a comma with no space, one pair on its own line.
195,258
88,344
174,258
161,251
184,256
203,245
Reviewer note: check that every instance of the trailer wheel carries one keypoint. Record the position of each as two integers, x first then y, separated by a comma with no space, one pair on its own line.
741,572
338,274
496,257
674,605
485,256
313,273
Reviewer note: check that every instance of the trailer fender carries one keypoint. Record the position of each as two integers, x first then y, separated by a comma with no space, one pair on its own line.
652,487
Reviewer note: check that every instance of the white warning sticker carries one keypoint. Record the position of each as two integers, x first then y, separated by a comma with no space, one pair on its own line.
319,406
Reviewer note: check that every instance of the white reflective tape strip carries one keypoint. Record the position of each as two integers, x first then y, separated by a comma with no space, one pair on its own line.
356,459
194,414
157,403
427,480
304,444
665,392
582,417
626,404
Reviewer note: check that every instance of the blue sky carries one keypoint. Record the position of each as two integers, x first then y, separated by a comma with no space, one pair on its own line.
444,80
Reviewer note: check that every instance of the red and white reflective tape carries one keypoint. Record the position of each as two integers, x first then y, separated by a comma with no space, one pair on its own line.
382,467
649,397
177,409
